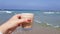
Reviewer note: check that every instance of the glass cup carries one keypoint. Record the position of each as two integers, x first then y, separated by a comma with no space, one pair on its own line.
27,26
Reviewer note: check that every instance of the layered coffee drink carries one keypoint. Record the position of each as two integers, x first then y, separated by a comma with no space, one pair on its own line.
27,16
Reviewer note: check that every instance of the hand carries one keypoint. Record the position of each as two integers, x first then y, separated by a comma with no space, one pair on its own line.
12,24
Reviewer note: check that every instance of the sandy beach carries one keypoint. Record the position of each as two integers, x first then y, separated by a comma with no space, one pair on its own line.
37,29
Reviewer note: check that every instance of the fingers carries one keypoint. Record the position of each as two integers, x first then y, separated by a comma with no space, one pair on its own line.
9,31
24,20
18,19
17,16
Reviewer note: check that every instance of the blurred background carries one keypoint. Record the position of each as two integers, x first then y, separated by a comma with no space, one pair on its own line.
46,14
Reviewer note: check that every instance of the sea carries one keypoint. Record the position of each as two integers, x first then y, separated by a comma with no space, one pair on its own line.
40,16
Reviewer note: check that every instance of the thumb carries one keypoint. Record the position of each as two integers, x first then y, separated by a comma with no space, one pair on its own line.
20,21
23,21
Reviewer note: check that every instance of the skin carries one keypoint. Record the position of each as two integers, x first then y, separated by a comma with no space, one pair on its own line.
14,22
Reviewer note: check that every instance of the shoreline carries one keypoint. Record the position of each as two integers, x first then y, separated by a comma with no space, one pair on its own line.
38,29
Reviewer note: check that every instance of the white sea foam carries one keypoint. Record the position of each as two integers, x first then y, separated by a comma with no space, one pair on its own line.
48,12
49,24
37,21
53,25
57,26
6,11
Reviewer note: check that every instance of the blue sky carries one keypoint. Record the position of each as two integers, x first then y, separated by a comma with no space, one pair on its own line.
30,4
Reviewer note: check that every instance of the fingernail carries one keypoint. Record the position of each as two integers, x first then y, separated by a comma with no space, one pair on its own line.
18,24
29,20
19,17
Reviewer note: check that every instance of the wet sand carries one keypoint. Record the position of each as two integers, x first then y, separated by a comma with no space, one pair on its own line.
37,29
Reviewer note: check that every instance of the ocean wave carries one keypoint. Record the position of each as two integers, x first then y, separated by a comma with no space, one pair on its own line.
6,11
48,12
37,21
47,24
57,26
51,12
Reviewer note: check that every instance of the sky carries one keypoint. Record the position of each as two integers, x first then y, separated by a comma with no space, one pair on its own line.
30,4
